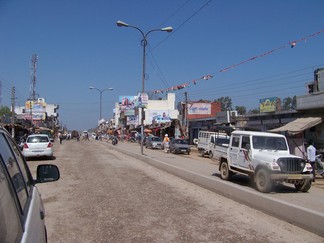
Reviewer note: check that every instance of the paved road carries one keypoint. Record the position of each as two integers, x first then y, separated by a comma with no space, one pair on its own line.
297,207
104,195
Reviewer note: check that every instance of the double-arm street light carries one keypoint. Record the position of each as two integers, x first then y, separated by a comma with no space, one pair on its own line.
100,92
144,44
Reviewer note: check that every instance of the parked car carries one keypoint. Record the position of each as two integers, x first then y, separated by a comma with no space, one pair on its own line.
179,145
38,145
21,208
153,142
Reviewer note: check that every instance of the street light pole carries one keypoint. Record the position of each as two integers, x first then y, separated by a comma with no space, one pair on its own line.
100,92
144,44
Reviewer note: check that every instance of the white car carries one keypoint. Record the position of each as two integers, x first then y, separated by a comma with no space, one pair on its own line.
21,209
38,145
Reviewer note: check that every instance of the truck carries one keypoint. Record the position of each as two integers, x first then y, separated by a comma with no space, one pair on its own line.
266,158
207,141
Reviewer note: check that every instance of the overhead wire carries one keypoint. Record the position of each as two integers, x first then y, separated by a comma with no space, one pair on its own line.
152,60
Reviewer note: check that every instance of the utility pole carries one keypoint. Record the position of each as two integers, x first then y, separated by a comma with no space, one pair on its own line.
13,97
186,114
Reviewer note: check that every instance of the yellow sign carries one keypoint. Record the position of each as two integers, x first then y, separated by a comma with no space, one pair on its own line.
268,104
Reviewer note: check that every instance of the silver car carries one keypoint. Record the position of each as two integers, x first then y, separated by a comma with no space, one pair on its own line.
21,209
153,142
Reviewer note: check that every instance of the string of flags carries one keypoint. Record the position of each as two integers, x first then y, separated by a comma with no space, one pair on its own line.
291,44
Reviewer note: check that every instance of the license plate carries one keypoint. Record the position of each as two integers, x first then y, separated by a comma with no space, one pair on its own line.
37,151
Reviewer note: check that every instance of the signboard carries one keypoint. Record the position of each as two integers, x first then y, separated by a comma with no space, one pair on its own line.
126,102
132,120
268,104
199,109
141,100
158,116
36,108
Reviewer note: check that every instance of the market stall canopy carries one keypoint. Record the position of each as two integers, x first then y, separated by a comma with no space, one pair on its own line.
299,125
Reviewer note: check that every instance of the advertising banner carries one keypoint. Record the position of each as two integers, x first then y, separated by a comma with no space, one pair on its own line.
126,102
199,109
158,116
141,100
132,120
36,108
268,104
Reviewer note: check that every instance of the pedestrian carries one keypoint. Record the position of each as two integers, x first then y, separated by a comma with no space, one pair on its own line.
61,138
311,156
166,143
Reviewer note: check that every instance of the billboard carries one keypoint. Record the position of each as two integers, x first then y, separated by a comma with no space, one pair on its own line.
268,104
36,108
126,102
158,116
199,109
141,100
132,120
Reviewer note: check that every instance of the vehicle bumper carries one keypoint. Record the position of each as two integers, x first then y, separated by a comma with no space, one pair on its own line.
38,153
291,177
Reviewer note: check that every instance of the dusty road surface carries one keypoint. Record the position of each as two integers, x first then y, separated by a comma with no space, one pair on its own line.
105,196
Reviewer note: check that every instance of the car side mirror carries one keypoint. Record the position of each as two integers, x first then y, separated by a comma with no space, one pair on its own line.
47,173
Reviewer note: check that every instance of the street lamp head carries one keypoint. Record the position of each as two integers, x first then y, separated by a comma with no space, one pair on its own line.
167,29
121,23
110,88
91,87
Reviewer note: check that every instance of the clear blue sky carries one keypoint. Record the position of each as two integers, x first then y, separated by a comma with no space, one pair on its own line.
79,45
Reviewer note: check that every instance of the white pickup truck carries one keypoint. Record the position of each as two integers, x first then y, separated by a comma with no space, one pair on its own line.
207,142
265,157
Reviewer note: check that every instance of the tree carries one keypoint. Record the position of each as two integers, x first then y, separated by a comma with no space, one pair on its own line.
254,111
5,110
226,103
289,103
241,110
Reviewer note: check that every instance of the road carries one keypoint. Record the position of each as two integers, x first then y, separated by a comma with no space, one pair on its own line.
107,196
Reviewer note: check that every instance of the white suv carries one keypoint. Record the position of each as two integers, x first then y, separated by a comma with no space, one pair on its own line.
21,208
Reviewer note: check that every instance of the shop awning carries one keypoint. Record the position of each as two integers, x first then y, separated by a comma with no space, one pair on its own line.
299,125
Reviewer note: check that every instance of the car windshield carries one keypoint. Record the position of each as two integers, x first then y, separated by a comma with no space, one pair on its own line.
181,141
271,143
37,139
156,139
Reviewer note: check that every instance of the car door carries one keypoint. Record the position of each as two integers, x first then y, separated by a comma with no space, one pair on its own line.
234,149
244,160
26,198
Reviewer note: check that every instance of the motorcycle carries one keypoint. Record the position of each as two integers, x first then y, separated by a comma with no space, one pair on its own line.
114,140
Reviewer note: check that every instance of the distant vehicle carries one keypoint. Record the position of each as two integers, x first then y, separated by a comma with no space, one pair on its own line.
180,145
208,140
153,142
38,145
21,208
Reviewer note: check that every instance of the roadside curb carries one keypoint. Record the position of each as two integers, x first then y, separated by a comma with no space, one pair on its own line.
303,217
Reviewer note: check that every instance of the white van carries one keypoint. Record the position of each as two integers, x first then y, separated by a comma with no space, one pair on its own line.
22,214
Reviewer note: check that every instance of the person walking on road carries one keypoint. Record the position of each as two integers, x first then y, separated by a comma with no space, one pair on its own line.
311,156
166,143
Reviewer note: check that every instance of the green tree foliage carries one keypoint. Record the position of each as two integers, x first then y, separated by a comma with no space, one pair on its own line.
289,103
4,110
254,111
226,103
241,110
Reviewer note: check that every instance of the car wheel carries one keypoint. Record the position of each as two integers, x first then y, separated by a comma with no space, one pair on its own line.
210,155
262,181
188,152
225,173
303,186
